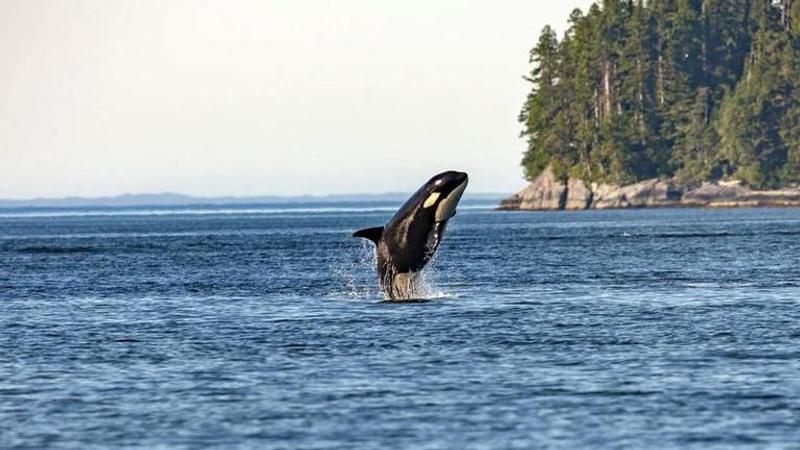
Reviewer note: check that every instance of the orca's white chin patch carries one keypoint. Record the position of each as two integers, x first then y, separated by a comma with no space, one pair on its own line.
447,206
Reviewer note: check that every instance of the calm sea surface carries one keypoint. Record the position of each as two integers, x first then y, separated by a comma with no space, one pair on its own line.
262,327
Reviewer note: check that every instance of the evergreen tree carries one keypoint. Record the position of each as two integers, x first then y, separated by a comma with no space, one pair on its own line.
756,126
542,107
691,89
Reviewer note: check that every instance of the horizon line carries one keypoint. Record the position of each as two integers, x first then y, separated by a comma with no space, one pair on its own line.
231,196
164,198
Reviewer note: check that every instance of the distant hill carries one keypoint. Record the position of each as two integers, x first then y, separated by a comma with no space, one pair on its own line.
694,90
174,199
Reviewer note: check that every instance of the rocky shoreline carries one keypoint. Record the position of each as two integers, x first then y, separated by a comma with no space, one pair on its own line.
549,193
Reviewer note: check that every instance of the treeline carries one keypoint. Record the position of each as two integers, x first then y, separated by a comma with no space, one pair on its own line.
691,89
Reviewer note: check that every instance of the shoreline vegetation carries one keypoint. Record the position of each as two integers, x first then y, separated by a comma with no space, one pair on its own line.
665,103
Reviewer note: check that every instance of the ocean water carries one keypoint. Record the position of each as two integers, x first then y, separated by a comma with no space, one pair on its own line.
262,327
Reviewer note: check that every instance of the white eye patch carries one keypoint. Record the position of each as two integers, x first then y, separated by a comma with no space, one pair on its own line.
431,200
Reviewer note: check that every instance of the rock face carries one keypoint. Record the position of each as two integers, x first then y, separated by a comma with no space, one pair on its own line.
648,193
709,193
510,204
578,195
608,196
735,195
547,192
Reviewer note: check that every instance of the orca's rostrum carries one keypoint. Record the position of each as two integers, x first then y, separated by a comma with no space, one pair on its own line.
408,242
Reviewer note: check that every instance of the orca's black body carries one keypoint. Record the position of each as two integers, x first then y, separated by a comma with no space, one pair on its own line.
408,242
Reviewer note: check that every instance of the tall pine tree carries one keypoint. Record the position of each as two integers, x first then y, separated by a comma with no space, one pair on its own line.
691,89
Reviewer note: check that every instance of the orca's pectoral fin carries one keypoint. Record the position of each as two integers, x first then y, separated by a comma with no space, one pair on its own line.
373,234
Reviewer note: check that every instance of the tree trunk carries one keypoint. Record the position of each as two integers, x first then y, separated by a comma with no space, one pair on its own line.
660,80
607,87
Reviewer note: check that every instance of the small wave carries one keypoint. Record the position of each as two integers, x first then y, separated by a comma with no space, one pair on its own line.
55,250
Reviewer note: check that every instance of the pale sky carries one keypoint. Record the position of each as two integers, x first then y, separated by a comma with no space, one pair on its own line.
283,97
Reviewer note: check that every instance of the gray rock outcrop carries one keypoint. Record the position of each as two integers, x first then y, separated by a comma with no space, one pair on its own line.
547,192
709,193
579,196
648,193
733,194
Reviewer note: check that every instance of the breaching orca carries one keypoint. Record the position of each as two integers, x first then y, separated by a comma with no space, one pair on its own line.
409,240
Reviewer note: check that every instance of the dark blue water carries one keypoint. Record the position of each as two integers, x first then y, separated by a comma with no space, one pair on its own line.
263,328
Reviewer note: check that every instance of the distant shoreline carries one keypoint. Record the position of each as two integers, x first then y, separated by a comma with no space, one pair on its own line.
182,200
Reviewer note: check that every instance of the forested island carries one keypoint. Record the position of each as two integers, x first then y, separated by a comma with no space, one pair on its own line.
665,98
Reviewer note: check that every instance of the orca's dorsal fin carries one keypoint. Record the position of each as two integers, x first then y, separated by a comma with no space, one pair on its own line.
373,234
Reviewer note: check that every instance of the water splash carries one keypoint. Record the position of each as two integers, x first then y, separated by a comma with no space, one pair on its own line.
433,280
354,271
355,274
